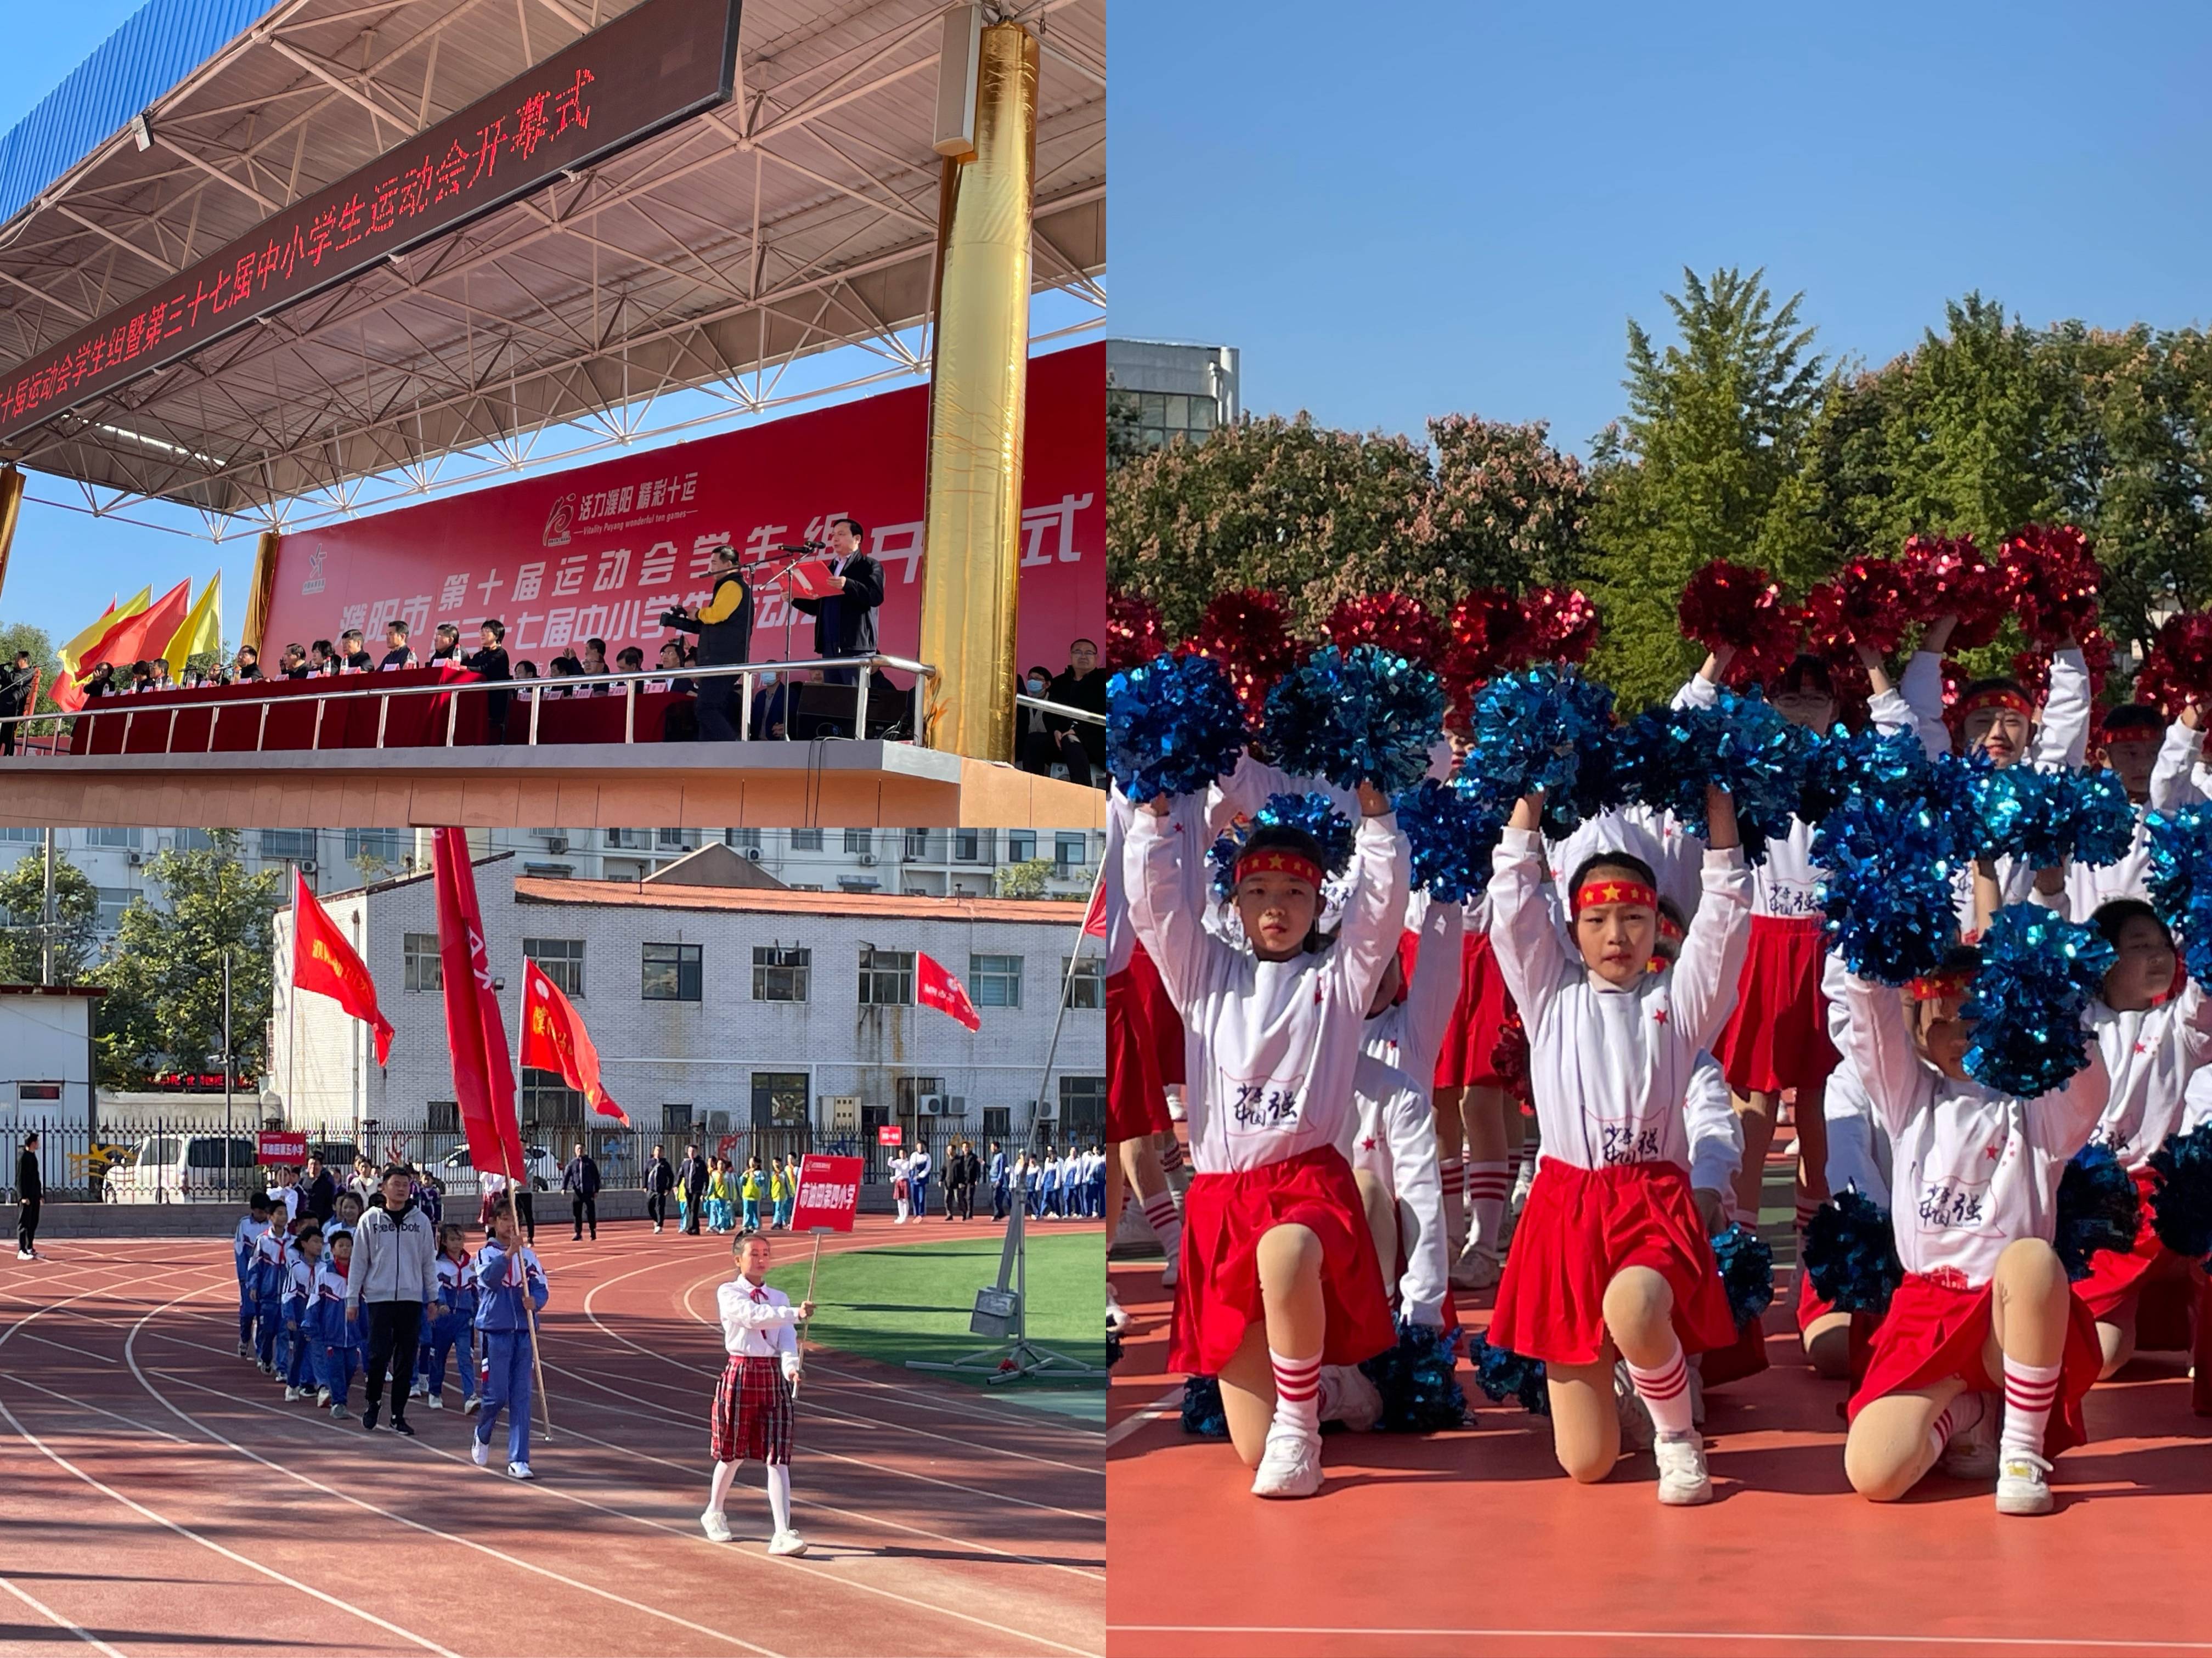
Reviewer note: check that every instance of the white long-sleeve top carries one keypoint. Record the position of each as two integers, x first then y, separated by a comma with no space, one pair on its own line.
1410,1033
1715,1131
2150,1057
1120,941
1610,1069
1393,1138
758,1323
1269,1045
2087,886
1974,1169
1858,1155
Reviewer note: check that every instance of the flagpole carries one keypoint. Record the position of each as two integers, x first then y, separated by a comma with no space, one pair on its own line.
811,1270
521,1183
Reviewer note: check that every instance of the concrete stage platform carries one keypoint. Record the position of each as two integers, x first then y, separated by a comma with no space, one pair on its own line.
761,785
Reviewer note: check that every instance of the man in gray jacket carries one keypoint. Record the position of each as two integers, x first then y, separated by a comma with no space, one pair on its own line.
393,1276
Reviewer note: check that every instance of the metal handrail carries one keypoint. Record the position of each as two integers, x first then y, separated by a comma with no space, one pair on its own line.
535,690
1045,705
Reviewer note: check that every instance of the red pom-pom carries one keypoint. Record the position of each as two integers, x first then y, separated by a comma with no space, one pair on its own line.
2157,687
2051,580
1405,627
1877,603
1488,635
2097,654
2032,670
1949,576
2178,665
1134,631
1246,632
1955,681
1562,624
1734,607
1820,619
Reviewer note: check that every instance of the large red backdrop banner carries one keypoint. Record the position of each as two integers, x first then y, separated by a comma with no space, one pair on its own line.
599,551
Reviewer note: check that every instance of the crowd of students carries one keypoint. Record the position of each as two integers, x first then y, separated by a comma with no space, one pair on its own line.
1353,1058
1068,1184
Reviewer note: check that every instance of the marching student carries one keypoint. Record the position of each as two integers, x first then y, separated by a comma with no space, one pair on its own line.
301,1368
751,1188
1279,1275
901,1188
752,1405
506,1270
782,1183
454,1322
251,1225
917,1175
266,1273
394,1278
336,1337
1612,1252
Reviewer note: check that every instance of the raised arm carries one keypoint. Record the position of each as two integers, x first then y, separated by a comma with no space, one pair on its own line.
2062,738
1411,1125
1712,962
2178,755
1374,908
1434,989
1163,867
2063,1119
1531,956
1889,1066
1922,686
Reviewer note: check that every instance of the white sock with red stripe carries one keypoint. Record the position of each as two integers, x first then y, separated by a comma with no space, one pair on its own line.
1488,1186
1297,1392
1171,1155
779,1494
1666,1391
1961,1414
1453,1172
1807,1208
2029,1392
1166,1221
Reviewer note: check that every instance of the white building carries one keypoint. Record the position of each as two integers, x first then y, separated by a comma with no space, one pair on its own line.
719,1008
46,1070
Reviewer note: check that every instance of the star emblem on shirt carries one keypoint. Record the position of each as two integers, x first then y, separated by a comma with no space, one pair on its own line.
2140,1048
1659,1015
1367,1144
1992,1152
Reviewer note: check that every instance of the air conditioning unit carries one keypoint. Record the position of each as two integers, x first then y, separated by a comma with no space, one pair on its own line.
931,1105
556,843
956,1106
307,866
868,859
753,854
137,859
1047,1111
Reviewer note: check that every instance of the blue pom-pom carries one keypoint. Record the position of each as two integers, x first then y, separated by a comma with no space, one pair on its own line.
1356,716
1669,757
2098,1208
1746,1264
1543,728
1173,726
1503,1374
2038,975
1850,1253
2181,1204
1887,885
1203,1413
1420,1394
1842,763
2103,829
2179,878
2020,811
1316,814
1451,837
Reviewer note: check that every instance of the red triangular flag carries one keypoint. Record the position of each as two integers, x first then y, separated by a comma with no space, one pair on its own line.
934,988
553,1039
1094,918
484,1077
324,962
130,639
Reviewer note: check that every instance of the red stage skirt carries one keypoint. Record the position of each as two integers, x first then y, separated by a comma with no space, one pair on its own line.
1932,1330
1778,1037
1467,1059
1223,1217
1141,1026
1579,1229
2113,1277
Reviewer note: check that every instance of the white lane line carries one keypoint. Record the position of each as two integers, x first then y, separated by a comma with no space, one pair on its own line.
1167,1404
1622,1636
60,1622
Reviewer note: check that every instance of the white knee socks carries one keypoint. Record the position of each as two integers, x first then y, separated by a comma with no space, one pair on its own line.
1166,1221
1961,1414
779,1494
1666,1392
1488,1186
1297,1392
719,1493
1453,1172
2029,1392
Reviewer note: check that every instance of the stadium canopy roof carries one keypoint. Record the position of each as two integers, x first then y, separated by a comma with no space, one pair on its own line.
800,216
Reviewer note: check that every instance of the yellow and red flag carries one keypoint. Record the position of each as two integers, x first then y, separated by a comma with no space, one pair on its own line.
323,962
554,1039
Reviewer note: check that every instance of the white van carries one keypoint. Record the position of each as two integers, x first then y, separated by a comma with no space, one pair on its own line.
187,1168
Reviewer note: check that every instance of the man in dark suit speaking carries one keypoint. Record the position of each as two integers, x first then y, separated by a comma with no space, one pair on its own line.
845,618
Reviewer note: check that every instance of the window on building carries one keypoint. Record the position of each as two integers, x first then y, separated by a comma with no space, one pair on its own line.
779,1099
287,843
1159,418
1021,846
562,960
1069,854
113,901
807,840
917,849
131,838
671,837
548,1102
675,1120
780,974
1082,1108
860,841
744,840
627,837
32,836
673,974
970,845
419,951
382,846
998,1123
1087,982
190,840
912,1090
445,1116
995,981
886,978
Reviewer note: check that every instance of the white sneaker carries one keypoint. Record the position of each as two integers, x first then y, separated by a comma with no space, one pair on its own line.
479,1452
25,1254
1291,1466
322,1397
1683,1481
1117,1316
1477,1268
2023,1483
716,1525
1637,1430
1974,1454
436,1401
469,1407
787,1542
1347,1396
519,1471
291,1393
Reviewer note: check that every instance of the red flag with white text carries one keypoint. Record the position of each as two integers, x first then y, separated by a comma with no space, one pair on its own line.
323,962
933,987
829,1193
554,1039
484,1077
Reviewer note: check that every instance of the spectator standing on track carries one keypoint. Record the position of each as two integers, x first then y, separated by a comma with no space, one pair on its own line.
581,1180
394,1276
901,1185
321,1194
506,1270
753,1400
659,1181
751,1189
955,1167
364,1179
917,1174
998,1182
284,1193
30,1192
691,1182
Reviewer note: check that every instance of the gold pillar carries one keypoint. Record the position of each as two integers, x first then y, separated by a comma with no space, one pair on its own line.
11,508
260,596
979,379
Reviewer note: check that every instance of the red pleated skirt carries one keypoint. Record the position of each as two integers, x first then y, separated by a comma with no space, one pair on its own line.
1580,1228
1225,1216
1934,1330
1468,1056
2113,1275
1136,1079
1778,1037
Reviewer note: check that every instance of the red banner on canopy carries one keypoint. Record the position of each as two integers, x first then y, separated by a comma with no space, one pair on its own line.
601,550
829,1193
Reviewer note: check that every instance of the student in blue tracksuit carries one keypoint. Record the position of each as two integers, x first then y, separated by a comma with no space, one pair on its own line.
299,1300
505,1270
455,1318
917,1179
1048,1186
265,1269
250,1227
336,1337
1033,1193
998,1182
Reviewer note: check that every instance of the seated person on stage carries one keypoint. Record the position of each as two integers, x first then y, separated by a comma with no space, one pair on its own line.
1037,745
525,669
595,662
353,653
293,664
322,657
141,678
396,653
845,621
157,675
671,667
102,682
248,666
1082,746
447,646
773,705
628,659
563,667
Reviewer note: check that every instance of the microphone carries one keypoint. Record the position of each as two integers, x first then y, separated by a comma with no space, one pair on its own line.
804,547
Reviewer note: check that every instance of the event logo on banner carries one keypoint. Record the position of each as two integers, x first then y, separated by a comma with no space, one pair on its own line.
829,1193
600,551
889,1134
288,1148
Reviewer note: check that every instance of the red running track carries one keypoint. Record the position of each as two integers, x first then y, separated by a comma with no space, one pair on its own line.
157,1496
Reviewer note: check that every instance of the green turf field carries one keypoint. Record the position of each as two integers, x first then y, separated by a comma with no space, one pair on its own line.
913,1300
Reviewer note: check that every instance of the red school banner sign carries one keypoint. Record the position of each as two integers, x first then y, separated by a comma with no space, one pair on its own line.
601,550
289,1149
829,1193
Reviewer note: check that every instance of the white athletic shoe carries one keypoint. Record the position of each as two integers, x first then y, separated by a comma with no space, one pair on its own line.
787,1542
2023,1483
469,1406
1290,1466
322,1397
436,1401
479,1452
1347,1396
1683,1481
716,1525
519,1471
1637,1430
1117,1316
25,1254
1974,1454
292,1394
419,1390
1476,1268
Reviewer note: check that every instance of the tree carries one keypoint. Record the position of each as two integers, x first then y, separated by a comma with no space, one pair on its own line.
164,978
1026,879
22,905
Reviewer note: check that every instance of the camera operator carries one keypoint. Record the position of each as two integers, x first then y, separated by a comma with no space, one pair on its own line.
725,626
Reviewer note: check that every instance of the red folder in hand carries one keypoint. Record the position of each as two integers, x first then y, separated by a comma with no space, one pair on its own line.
810,579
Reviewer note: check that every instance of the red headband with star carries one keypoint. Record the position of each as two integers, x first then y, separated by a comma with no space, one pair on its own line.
1997,697
1614,892
1942,986
1275,861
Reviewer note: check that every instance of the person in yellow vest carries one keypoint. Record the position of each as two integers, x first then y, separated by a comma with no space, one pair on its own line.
752,1188
787,1193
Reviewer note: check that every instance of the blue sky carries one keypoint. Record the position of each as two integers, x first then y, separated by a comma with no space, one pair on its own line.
1442,207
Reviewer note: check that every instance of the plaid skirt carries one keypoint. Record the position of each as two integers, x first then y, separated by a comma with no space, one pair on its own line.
752,1413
